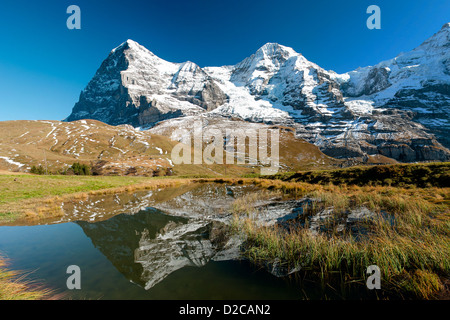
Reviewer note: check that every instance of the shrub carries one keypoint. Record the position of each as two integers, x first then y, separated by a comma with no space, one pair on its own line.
37,170
81,169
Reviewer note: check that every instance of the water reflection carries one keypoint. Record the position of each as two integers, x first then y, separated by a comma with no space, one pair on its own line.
148,246
201,200
159,239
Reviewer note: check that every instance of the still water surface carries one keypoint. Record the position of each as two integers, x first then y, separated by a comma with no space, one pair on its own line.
109,270
164,244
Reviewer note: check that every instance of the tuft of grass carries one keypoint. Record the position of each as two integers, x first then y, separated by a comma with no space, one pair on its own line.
14,285
423,282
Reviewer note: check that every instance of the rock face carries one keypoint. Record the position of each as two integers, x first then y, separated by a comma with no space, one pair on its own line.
398,108
416,82
193,84
134,86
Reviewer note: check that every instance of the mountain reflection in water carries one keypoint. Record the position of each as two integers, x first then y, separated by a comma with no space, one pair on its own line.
148,246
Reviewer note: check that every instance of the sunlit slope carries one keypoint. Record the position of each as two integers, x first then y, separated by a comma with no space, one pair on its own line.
57,145
124,150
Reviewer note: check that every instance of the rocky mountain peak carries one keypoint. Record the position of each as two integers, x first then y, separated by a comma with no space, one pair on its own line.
257,70
140,58
440,40
130,45
270,56
275,51
190,67
397,108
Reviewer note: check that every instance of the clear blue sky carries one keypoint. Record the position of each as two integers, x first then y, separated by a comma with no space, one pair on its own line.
44,66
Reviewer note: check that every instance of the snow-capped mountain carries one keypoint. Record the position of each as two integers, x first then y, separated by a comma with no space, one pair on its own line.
417,81
134,86
397,108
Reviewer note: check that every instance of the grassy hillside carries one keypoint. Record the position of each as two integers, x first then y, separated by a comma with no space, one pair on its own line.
123,150
109,150
57,145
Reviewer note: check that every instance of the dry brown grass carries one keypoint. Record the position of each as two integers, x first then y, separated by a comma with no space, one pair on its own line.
412,250
61,144
15,285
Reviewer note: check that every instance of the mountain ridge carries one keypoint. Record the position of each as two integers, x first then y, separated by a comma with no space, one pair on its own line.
397,108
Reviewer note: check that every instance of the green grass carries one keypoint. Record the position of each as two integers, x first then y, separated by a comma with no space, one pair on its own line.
31,196
30,186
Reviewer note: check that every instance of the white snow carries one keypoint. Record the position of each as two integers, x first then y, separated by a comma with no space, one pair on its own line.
7,159
360,107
